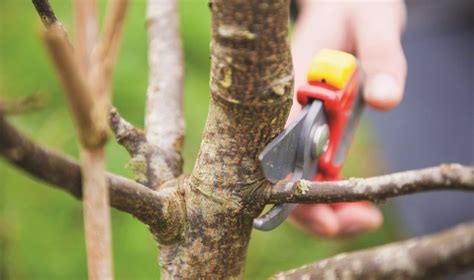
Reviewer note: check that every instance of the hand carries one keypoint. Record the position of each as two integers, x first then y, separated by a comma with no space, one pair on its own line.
372,31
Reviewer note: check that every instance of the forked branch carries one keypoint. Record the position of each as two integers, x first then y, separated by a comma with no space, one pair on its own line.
105,58
61,171
147,161
94,188
73,68
427,257
443,177
92,126
87,28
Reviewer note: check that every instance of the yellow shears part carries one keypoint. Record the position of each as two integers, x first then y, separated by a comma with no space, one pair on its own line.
332,67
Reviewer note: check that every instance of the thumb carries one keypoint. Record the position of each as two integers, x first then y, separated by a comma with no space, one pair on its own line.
378,27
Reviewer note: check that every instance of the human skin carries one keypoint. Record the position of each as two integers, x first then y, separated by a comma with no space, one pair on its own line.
371,30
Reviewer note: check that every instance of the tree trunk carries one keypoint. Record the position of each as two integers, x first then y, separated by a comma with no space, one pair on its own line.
251,88
202,222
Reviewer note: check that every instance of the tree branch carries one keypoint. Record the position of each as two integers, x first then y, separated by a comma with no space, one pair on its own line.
147,161
91,121
86,24
64,173
108,47
426,257
164,121
251,87
94,188
443,177
45,12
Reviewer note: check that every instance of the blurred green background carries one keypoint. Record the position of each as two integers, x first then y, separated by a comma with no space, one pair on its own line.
41,234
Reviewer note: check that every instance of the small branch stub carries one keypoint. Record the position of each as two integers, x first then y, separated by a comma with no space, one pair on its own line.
147,163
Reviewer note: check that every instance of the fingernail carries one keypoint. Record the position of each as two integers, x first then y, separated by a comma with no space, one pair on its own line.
382,87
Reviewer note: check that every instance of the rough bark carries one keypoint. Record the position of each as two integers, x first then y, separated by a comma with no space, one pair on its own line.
251,87
376,189
161,210
164,212
147,163
428,257
203,221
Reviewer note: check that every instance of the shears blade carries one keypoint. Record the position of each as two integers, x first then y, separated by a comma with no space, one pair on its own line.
278,159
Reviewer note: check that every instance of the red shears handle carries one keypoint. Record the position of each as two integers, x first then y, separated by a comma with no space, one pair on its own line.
343,107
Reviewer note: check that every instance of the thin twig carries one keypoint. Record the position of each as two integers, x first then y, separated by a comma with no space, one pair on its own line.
443,177
95,191
86,25
91,123
95,197
428,257
49,19
45,12
108,47
63,172
164,120
163,211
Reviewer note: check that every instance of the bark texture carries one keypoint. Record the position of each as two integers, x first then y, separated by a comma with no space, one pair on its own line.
251,87
429,257
148,162
160,210
164,212
376,189
203,221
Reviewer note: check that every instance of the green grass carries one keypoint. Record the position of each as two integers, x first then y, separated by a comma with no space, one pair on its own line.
41,234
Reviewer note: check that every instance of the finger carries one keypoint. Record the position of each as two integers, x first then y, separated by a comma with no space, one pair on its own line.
321,24
318,219
377,31
357,217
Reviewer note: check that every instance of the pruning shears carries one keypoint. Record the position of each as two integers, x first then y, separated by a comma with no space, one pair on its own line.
314,146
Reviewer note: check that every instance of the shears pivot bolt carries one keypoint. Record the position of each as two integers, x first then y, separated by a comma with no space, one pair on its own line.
320,140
